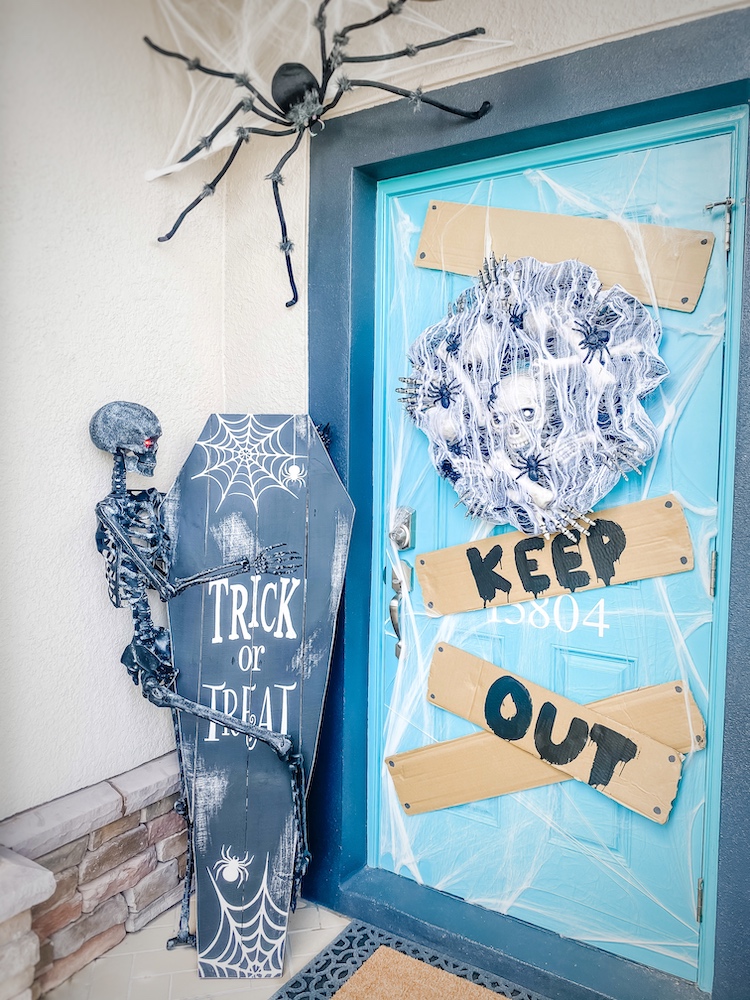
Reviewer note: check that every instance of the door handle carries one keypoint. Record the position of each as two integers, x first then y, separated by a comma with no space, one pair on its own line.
394,607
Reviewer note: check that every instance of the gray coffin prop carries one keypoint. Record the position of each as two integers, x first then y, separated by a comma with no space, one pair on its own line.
256,646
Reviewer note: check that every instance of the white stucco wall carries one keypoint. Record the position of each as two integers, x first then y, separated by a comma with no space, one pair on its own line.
93,309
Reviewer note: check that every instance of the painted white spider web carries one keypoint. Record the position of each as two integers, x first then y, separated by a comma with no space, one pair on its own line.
244,457
252,948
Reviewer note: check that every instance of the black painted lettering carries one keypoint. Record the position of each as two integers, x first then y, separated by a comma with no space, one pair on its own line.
606,542
517,725
566,563
569,748
532,581
611,748
483,570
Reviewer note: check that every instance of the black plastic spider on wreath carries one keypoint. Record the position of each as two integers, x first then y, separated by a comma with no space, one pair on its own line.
299,105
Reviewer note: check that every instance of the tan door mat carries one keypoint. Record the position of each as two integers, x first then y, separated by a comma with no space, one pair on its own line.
389,975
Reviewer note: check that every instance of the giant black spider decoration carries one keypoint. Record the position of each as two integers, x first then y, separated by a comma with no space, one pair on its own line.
299,104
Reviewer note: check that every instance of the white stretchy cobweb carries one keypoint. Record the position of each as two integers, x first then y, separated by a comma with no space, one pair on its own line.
246,457
530,391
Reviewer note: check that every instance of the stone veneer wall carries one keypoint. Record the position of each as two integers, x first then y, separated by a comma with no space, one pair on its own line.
79,873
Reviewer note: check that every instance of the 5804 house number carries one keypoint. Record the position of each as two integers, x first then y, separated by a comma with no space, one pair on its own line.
565,615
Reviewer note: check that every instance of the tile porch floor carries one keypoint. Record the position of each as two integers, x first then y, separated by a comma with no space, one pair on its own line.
140,967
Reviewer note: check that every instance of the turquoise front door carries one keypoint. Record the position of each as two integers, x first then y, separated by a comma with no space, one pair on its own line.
564,857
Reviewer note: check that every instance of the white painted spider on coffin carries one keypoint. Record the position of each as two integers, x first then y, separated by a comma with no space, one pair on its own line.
300,103
231,868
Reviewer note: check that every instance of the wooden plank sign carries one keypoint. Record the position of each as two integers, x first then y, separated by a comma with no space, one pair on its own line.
634,542
480,766
256,646
620,762
455,237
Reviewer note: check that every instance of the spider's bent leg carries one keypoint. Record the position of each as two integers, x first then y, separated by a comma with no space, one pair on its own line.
247,105
208,189
206,141
241,79
394,7
341,38
419,98
320,24
286,245
412,50
191,64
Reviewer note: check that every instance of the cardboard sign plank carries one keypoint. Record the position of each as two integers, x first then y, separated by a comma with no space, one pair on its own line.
634,542
620,762
455,238
256,646
480,766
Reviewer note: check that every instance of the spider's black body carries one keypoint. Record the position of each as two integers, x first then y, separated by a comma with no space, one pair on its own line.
532,466
453,343
594,339
442,393
299,105
290,85
447,471
515,317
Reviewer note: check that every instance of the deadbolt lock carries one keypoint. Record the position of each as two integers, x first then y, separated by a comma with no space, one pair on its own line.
404,528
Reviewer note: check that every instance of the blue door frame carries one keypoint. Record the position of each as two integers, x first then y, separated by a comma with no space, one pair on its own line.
700,66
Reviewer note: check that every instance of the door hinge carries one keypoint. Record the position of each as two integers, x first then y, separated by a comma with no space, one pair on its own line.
727,205
712,575
699,902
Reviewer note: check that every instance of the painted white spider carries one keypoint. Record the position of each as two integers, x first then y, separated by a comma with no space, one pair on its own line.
293,474
231,868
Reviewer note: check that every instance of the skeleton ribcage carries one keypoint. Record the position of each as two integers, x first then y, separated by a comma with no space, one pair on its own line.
137,518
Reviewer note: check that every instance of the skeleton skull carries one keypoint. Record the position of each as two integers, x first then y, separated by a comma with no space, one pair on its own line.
130,430
519,404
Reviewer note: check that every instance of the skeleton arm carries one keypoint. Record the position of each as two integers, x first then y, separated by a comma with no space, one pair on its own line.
162,697
138,658
217,573
274,559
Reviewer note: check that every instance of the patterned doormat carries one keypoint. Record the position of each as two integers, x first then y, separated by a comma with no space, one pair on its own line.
334,966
